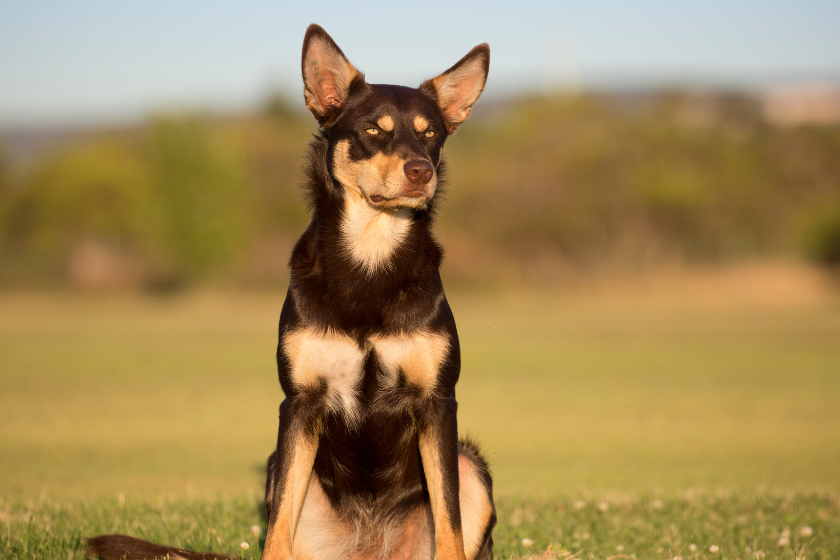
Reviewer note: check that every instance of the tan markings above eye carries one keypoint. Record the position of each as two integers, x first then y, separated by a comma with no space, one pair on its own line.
421,123
372,130
386,123
430,133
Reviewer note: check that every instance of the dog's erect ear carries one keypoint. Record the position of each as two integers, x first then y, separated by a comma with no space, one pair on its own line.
459,87
327,74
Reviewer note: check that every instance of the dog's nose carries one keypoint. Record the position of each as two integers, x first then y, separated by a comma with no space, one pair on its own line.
419,171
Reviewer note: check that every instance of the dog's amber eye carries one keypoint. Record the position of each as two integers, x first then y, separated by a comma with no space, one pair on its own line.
372,131
430,133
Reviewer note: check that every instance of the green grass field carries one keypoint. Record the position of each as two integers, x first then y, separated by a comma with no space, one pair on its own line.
710,417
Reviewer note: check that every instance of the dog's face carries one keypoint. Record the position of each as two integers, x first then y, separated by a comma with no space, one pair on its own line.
385,141
386,145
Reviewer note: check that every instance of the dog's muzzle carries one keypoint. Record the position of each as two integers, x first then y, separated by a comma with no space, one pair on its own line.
418,172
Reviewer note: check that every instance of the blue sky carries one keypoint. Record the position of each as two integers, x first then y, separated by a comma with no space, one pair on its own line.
68,62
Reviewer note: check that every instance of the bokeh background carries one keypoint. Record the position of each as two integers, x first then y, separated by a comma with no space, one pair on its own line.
642,231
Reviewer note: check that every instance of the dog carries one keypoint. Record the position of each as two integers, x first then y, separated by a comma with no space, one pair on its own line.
368,464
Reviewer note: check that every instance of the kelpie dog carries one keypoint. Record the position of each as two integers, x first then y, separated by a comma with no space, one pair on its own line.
368,462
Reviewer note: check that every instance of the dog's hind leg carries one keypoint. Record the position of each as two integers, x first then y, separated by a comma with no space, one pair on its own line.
463,519
478,514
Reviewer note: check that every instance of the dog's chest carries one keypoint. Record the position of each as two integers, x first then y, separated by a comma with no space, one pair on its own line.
340,363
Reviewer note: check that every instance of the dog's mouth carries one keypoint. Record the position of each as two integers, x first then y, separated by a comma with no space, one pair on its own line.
408,198
378,198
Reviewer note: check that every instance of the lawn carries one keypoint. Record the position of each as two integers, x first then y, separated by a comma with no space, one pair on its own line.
691,524
702,416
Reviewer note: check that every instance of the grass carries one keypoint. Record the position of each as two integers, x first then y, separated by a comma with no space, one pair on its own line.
721,404
689,525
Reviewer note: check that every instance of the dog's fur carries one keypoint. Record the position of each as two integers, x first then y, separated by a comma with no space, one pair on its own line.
368,463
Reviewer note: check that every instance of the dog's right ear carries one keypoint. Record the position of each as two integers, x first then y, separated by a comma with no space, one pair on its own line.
457,89
327,74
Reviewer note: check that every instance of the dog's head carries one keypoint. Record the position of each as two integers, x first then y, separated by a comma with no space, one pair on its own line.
385,141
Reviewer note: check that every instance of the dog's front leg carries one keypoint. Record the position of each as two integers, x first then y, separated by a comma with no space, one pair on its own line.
297,444
438,436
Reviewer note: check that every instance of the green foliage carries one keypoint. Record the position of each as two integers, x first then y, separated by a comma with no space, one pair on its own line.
821,234
202,198
273,151
278,106
96,190
175,199
6,200
595,178
586,179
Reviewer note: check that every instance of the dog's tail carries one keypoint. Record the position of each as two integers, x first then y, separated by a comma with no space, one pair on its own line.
123,547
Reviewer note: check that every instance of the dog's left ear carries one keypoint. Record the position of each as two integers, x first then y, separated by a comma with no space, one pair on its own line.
327,74
457,89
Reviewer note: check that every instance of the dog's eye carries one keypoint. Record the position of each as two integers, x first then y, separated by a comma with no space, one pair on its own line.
430,133
373,131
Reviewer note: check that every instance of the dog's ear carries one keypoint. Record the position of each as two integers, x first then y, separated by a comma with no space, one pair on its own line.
327,74
459,87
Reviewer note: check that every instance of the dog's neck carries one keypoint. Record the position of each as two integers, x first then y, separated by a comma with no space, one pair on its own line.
371,235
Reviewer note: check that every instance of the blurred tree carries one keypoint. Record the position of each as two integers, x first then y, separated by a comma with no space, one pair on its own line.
278,106
5,200
821,234
596,178
93,190
201,195
273,153
573,180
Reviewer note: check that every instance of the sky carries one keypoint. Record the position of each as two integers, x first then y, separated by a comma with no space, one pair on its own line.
99,61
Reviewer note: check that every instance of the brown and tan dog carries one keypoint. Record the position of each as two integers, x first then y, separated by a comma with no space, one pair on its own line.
368,462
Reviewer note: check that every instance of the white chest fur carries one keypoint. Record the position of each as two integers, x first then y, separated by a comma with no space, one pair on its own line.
372,234
335,359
